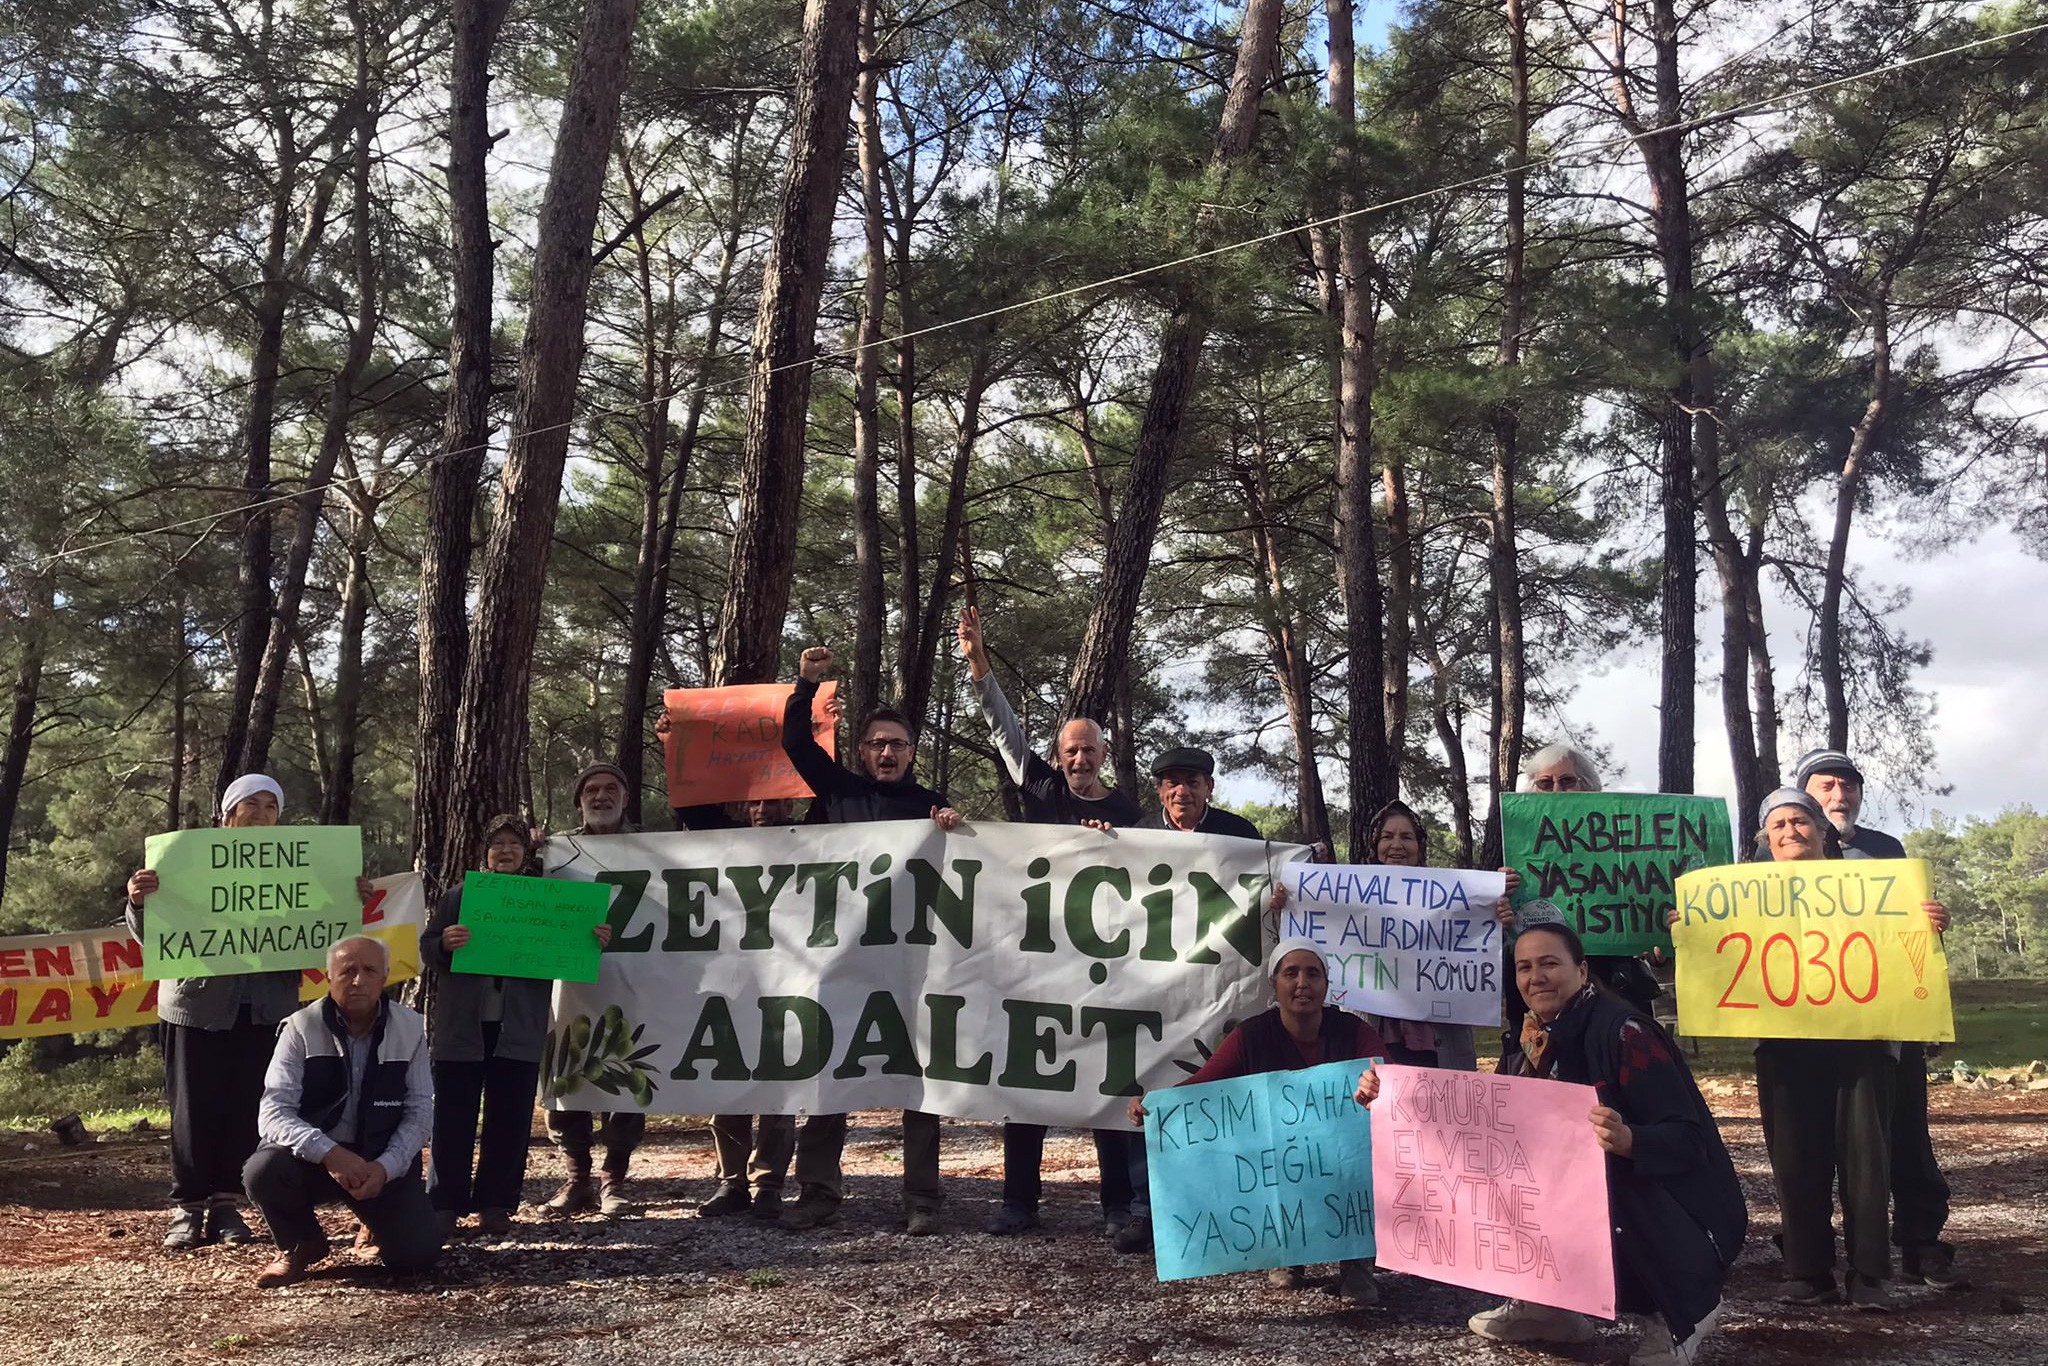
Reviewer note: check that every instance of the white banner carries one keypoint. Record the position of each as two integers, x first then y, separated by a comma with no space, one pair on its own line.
1024,972
1408,943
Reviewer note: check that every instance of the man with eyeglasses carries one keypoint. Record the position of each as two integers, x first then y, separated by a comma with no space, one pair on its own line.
882,790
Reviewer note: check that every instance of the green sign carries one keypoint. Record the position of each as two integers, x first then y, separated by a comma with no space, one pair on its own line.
256,900
1611,860
531,926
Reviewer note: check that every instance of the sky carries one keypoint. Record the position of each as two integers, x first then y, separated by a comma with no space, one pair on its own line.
1984,609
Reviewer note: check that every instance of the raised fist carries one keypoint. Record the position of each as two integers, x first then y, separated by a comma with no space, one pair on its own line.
816,663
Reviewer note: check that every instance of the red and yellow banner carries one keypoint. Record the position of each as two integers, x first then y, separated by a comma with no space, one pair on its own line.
1834,949
92,979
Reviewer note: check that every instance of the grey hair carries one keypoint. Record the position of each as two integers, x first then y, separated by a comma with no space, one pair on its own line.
1552,755
383,949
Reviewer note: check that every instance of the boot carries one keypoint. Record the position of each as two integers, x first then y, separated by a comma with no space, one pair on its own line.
578,1194
1355,1282
187,1230
224,1225
611,1198
768,1204
494,1223
815,1206
293,1264
730,1199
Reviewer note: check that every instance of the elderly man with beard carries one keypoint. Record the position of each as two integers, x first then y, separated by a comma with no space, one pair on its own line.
347,1105
1919,1190
600,798
883,790
1071,794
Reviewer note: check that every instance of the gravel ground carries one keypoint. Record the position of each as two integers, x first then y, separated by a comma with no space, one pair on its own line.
82,1279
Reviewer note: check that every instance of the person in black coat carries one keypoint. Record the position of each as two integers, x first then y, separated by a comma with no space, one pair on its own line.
1674,1202
883,790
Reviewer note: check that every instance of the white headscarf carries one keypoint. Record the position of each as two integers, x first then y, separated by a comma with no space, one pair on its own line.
1287,946
247,786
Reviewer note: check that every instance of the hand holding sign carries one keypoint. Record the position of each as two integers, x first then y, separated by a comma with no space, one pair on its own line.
1412,943
256,899
530,927
1823,949
725,744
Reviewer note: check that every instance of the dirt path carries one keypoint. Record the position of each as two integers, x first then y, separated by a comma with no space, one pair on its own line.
82,1279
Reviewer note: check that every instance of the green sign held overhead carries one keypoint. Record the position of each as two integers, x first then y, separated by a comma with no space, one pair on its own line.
262,899
531,926
1611,860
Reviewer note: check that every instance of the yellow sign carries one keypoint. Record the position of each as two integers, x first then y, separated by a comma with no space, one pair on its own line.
92,979
1835,949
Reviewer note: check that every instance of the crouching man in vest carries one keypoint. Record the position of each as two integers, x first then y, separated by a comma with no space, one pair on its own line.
348,1103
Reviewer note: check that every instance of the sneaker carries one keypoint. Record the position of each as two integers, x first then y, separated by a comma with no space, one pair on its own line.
1523,1321
1819,1290
1869,1293
920,1221
1356,1284
1115,1221
578,1195
815,1207
447,1221
1287,1277
1687,1352
494,1223
1933,1265
1134,1237
767,1205
611,1199
728,1200
187,1230
225,1225
293,1265
1010,1220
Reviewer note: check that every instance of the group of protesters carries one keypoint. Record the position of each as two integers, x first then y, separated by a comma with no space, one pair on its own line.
294,1107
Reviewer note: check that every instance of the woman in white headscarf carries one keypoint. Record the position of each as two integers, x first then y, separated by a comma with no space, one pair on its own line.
1299,1031
216,1034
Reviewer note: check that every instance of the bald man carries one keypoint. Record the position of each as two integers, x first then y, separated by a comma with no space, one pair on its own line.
1071,794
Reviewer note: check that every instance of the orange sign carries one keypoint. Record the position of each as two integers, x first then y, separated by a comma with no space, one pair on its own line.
725,744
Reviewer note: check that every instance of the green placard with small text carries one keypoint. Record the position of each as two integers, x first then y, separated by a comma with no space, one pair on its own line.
531,926
1611,860
253,900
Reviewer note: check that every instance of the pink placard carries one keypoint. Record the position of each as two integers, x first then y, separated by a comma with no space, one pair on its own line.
1493,1183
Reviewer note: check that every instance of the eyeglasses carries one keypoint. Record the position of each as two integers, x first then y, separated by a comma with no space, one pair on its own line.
1568,783
886,746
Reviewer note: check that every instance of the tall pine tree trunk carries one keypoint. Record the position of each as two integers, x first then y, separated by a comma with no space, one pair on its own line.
1104,657
497,679
785,336
454,482
871,612
21,721
1834,683
1372,776
1510,661
348,667
291,589
917,682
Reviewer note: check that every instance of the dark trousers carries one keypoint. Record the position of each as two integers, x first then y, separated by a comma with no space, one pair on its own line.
290,1191
763,1156
1827,1107
1664,1262
1024,1156
921,1188
573,1130
1919,1191
214,1081
504,1089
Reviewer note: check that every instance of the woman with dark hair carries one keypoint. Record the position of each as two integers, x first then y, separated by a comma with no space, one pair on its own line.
485,1045
1674,1203
1397,839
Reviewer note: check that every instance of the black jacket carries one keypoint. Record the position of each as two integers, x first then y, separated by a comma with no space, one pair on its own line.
1215,821
841,796
1600,1041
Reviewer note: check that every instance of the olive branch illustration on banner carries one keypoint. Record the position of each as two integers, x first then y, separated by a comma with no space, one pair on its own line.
598,1056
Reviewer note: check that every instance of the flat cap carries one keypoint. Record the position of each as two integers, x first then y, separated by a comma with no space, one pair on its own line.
1186,758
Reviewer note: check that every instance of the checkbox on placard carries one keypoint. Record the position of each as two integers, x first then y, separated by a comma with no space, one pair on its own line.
1439,1010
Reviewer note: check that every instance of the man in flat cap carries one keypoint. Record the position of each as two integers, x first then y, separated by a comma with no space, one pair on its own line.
1187,779
1919,1190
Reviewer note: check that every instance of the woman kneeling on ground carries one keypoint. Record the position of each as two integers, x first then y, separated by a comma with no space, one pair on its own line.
1673,1198
1300,1031
485,1044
